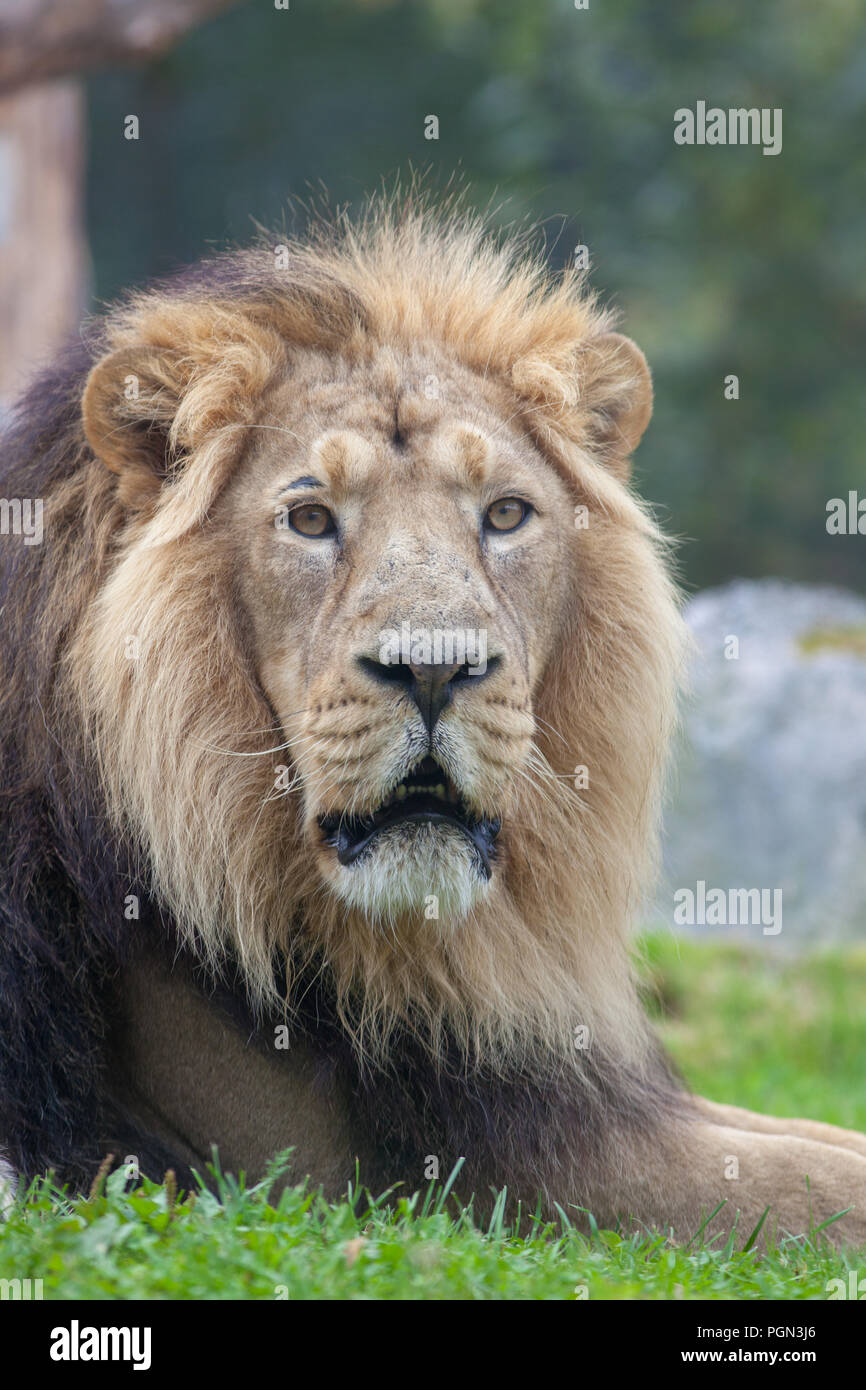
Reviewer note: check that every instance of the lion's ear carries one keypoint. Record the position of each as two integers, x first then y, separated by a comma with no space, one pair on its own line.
616,388
129,407
178,375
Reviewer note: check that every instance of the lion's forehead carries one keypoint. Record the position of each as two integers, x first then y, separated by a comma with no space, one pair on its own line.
348,416
346,457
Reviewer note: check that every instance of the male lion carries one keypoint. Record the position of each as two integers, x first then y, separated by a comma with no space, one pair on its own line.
341,581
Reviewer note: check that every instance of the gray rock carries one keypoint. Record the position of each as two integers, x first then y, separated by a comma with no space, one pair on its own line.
770,785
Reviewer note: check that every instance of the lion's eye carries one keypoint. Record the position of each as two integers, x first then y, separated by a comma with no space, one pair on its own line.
312,520
507,514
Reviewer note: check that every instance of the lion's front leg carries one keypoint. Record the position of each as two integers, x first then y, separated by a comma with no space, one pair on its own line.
736,1118
699,1165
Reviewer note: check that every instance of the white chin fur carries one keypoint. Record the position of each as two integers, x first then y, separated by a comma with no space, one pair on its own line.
424,872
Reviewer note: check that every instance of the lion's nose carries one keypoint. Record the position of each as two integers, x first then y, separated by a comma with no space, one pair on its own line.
430,686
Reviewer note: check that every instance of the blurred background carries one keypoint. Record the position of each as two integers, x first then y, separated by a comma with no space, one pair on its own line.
722,260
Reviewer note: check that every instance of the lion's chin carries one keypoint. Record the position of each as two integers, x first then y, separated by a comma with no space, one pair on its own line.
415,872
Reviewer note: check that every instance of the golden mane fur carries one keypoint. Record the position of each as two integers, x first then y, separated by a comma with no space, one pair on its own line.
184,745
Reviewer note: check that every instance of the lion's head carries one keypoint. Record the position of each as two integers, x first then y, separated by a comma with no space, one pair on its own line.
380,665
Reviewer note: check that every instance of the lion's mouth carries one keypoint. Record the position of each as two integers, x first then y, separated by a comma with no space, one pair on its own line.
426,795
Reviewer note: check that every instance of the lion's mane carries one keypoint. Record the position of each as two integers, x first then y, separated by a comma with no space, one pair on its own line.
121,778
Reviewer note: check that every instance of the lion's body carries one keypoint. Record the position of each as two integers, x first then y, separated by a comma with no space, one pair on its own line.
195,717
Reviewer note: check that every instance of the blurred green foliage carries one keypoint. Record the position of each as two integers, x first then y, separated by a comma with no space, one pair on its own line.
721,259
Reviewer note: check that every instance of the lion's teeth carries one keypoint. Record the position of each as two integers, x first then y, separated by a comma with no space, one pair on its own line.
443,791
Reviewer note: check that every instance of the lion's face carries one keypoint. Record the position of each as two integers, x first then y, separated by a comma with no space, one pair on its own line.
402,552
379,634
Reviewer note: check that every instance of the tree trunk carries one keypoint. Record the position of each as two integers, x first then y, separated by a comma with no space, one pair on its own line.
44,263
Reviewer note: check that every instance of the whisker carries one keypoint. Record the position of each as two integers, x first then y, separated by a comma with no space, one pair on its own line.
233,753
538,719
279,429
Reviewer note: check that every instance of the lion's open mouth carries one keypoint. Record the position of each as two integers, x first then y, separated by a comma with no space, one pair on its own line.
426,795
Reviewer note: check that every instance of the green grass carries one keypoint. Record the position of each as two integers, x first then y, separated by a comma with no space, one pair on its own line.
776,1034
762,1028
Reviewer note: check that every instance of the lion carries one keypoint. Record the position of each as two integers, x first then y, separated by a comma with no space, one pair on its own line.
334,723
